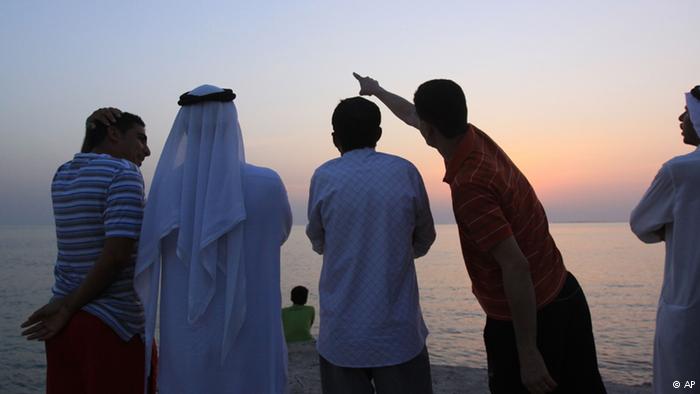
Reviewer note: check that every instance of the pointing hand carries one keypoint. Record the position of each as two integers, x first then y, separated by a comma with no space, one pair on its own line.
368,86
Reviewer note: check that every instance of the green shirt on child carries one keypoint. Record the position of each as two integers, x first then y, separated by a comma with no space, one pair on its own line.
297,321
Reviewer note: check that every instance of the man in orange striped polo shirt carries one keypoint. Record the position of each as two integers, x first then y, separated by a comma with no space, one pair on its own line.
538,333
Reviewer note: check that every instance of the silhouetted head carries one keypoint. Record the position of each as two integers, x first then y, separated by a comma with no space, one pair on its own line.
691,116
356,124
299,295
124,139
441,105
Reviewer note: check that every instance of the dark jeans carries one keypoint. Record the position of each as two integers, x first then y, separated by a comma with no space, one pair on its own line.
411,377
565,339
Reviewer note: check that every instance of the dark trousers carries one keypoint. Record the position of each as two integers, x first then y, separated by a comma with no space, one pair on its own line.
564,338
411,377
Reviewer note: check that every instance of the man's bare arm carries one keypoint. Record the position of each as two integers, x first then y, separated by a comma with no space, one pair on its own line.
517,283
402,108
48,320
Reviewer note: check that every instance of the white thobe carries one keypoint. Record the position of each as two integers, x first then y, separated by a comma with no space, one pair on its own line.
190,357
671,207
369,216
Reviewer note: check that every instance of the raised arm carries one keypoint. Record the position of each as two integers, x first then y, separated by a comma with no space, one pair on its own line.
401,107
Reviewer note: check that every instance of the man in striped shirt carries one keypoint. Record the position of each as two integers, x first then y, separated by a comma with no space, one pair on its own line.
538,332
93,324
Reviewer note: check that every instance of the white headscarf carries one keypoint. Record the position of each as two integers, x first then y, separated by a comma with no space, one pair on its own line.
197,189
693,105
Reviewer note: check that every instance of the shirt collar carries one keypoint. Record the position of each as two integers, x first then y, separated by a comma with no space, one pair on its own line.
92,155
362,152
465,147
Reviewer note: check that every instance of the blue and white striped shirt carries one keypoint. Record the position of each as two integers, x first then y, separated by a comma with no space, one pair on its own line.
95,197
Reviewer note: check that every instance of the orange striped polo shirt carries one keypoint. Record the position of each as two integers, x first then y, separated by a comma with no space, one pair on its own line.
493,200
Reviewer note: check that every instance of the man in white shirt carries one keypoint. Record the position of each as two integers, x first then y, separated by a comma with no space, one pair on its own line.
369,216
670,212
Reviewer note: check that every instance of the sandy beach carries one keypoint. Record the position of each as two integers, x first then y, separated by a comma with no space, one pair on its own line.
304,376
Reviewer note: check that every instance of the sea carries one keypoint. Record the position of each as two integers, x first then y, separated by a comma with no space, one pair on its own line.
621,278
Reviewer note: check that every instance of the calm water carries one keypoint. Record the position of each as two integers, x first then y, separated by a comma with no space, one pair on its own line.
621,278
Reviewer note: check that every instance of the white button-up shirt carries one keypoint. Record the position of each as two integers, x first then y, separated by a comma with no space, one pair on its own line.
670,211
369,216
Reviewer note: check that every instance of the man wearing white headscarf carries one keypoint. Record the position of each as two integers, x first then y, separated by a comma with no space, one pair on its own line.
211,236
670,212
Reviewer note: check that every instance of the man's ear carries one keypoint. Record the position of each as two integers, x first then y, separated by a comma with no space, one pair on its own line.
379,133
336,142
113,134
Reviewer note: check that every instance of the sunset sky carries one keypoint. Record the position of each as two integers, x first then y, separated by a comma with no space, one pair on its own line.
583,95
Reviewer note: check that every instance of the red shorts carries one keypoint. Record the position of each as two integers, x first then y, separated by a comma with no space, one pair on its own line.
88,357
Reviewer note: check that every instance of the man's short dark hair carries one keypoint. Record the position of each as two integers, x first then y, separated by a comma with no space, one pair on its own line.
299,295
96,135
441,103
356,123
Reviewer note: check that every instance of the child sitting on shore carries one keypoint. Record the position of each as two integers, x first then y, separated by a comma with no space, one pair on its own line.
299,317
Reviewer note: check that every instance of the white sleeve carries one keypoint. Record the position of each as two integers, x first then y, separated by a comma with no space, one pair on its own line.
424,232
655,210
314,230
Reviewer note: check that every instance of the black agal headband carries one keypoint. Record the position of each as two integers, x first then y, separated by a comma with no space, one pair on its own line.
696,92
189,99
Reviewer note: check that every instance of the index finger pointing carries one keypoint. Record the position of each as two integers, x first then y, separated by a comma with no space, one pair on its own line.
357,76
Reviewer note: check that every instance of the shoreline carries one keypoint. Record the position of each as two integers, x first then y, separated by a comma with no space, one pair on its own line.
304,376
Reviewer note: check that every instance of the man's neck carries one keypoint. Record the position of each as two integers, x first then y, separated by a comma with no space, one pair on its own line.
448,147
100,150
343,152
